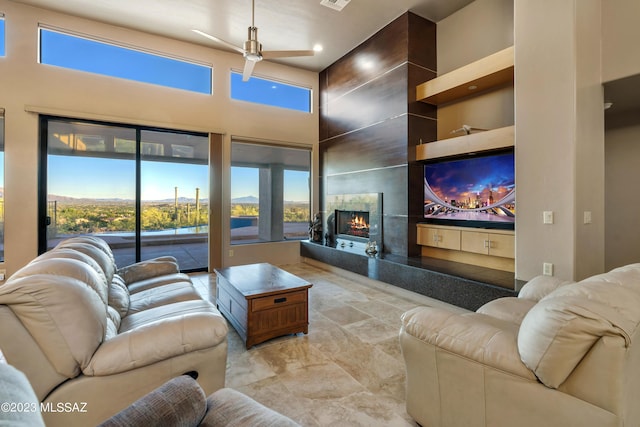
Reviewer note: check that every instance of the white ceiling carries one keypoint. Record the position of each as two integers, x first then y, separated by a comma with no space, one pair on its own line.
282,24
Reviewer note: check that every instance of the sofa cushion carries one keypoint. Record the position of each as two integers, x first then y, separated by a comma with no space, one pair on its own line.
158,334
113,322
152,282
15,388
149,269
119,297
162,295
74,254
93,241
230,408
57,303
178,402
559,331
98,254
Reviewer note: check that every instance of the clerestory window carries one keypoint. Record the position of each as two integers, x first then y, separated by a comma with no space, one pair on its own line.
270,92
2,42
84,54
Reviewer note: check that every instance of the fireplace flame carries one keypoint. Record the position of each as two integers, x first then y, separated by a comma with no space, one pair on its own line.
358,222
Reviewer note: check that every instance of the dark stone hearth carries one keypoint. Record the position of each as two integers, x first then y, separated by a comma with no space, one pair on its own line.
462,285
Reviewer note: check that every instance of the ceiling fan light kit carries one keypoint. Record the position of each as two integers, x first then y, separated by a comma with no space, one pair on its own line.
252,48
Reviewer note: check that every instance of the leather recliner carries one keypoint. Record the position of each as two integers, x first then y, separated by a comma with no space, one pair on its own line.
560,354
92,338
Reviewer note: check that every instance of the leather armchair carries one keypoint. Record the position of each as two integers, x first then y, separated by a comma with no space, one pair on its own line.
561,354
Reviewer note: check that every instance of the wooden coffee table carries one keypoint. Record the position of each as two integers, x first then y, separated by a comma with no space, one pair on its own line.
262,301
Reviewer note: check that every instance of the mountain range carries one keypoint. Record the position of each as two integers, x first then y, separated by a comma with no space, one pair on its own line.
86,200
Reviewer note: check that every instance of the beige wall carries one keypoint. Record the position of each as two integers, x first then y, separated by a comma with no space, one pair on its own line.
480,29
26,83
559,137
620,35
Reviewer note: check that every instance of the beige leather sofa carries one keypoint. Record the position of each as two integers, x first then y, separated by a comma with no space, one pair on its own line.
92,338
561,354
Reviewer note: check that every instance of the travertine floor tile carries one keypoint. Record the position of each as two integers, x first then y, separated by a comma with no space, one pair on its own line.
347,371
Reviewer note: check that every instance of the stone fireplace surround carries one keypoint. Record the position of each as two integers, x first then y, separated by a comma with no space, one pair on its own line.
462,285
465,286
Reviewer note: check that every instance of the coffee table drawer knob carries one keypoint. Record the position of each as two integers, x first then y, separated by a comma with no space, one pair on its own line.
280,300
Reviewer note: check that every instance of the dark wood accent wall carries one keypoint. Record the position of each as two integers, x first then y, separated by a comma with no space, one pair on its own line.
370,123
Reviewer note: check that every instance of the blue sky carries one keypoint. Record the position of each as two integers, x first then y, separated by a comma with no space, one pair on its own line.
91,177
2,48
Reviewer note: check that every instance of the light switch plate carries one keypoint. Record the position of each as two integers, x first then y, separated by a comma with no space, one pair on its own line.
547,269
547,217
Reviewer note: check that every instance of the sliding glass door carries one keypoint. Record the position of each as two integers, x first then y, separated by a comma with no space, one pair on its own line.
144,191
174,208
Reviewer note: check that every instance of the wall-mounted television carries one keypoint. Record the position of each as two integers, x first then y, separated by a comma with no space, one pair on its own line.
474,190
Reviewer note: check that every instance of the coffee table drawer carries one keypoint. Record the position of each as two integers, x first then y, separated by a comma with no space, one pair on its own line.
278,300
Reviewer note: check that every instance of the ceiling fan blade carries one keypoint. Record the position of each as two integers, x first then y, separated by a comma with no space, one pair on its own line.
268,54
217,40
248,70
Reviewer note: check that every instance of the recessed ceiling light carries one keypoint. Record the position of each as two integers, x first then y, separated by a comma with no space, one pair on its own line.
473,87
335,4
317,48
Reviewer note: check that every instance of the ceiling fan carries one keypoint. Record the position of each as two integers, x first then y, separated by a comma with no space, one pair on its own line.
252,50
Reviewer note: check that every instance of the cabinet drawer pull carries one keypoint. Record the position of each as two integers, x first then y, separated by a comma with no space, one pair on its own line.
280,300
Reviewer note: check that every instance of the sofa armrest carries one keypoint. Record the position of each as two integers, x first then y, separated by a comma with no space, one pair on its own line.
478,337
158,340
178,402
540,286
150,268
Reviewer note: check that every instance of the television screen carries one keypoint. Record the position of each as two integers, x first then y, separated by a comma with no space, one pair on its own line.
476,190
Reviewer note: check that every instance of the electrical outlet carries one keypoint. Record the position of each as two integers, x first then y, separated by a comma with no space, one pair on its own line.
547,269
587,217
230,253
3,275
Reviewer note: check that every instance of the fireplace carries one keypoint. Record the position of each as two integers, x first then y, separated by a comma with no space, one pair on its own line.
352,224
354,218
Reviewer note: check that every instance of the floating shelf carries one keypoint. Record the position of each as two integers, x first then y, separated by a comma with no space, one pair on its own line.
474,142
491,71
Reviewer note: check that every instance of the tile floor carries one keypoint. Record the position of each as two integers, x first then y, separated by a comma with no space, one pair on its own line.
348,370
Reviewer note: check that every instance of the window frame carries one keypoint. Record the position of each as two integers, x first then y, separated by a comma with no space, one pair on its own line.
141,132
271,230
2,182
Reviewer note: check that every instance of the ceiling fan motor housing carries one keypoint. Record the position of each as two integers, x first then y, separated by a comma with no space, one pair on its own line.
252,47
